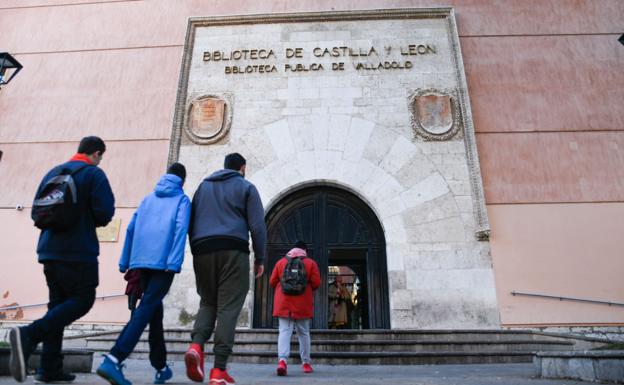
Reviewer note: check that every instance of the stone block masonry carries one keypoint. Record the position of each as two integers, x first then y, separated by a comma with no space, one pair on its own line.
331,105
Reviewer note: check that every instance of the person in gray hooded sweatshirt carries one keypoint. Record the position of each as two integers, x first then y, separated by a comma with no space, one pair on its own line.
225,209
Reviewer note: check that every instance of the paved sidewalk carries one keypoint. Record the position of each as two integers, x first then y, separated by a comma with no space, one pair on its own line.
140,372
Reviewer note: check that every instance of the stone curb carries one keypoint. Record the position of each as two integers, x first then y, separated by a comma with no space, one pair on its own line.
74,360
595,365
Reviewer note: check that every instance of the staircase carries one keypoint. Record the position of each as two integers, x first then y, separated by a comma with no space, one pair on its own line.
372,347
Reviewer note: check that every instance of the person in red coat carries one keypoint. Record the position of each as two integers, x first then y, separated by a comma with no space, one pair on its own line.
294,311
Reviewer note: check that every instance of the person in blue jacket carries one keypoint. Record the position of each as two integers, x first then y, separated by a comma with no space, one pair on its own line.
154,245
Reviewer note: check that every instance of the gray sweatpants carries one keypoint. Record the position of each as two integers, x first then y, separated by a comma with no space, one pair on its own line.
286,327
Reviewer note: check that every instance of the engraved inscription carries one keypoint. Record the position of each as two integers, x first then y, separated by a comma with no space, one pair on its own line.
264,60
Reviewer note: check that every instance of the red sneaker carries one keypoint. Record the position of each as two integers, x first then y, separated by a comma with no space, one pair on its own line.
194,360
220,377
282,369
307,368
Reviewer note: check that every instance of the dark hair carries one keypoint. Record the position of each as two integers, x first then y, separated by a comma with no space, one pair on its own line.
177,169
301,245
90,145
234,161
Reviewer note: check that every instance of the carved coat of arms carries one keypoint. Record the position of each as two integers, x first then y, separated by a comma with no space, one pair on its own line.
435,114
209,119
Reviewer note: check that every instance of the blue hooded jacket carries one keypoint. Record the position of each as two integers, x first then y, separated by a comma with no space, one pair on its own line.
156,235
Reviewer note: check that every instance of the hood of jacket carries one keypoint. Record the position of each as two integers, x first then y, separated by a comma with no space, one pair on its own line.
223,175
169,185
297,252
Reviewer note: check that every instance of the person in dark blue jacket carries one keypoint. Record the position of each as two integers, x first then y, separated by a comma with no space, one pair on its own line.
70,265
154,246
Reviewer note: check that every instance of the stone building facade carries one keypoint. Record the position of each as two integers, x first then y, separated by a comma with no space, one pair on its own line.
343,120
538,95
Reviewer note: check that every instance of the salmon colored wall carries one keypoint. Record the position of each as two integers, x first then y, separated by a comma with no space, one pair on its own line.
22,281
566,250
116,94
121,24
132,168
545,83
552,167
537,70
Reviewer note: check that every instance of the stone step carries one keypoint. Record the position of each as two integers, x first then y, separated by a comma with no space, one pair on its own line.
105,343
366,358
429,335
373,346
74,360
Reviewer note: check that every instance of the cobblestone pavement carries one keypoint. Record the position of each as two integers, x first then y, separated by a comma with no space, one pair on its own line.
140,372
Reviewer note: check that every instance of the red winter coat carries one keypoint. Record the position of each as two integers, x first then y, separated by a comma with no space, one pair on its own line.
295,306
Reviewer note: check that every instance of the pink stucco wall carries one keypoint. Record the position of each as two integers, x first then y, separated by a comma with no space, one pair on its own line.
132,168
569,250
23,282
545,83
552,167
117,94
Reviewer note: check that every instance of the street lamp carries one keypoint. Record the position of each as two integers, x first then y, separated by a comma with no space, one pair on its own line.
9,67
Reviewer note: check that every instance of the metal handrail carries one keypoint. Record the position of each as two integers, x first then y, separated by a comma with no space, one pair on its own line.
103,297
561,298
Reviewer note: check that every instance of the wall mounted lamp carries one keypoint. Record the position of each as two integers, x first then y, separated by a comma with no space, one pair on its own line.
9,67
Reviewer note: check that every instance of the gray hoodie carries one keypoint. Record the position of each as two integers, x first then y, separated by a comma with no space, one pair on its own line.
225,209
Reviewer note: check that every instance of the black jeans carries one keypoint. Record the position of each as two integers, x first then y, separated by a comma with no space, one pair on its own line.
71,287
155,285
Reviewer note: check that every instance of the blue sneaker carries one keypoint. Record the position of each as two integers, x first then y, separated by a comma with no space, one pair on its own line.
111,372
163,375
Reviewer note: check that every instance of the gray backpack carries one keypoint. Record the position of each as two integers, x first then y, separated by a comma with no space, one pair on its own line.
294,278
56,206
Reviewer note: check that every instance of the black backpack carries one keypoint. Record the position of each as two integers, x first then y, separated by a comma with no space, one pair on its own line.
294,278
56,206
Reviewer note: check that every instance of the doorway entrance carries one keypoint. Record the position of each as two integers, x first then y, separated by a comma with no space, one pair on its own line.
347,290
346,240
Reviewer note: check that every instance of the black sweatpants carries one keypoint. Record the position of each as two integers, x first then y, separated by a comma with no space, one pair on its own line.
71,288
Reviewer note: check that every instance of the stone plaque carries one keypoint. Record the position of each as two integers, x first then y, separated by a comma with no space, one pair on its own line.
207,119
110,232
434,115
